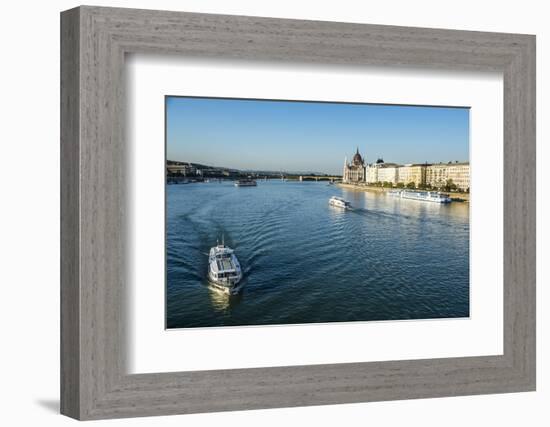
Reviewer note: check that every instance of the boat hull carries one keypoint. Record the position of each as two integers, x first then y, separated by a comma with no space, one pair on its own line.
338,202
246,183
230,288
338,205
438,198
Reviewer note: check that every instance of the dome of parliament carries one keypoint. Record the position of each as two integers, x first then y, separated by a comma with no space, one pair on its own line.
357,159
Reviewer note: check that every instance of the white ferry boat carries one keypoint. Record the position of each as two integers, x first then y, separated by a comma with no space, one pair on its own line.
224,270
338,202
425,196
246,183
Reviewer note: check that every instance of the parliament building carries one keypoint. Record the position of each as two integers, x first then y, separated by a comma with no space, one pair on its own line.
354,171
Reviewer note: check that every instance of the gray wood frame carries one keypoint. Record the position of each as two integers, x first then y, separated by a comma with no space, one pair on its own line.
94,41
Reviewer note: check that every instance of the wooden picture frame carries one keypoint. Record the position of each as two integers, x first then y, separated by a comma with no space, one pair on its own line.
94,382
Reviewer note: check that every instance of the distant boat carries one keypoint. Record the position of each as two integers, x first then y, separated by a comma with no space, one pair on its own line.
224,269
246,183
338,202
424,196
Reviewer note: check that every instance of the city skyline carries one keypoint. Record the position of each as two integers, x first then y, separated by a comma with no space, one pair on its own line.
310,136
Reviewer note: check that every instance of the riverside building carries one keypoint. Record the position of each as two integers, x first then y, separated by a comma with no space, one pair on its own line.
421,175
437,175
412,173
354,172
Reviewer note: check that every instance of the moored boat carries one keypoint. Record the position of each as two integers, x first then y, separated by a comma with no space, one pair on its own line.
425,196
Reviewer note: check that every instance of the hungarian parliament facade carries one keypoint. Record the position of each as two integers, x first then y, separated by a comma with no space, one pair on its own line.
421,174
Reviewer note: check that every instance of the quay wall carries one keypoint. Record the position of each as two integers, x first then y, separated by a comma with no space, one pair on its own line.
459,197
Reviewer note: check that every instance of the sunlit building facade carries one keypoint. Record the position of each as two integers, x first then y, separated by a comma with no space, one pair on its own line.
439,175
421,175
412,173
381,171
354,172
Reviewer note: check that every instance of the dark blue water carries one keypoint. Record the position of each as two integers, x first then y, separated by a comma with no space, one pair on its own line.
305,261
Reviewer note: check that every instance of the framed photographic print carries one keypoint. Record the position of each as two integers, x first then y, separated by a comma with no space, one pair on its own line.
292,213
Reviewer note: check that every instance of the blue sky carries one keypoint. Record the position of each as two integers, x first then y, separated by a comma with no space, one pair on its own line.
310,136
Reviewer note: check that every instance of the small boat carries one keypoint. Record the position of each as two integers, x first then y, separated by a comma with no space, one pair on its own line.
246,183
338,202
424,196
224,270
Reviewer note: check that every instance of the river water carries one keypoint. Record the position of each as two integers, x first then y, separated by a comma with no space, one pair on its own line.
305,261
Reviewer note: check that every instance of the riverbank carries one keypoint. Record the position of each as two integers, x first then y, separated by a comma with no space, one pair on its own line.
457,197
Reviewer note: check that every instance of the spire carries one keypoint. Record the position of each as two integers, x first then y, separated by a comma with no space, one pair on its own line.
345,172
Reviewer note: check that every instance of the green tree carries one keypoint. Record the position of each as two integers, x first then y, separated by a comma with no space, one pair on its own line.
450,185
400,185
411,185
